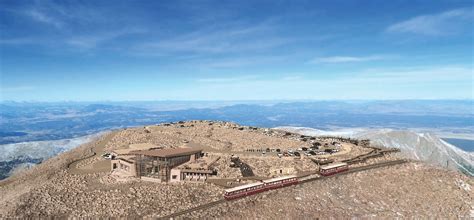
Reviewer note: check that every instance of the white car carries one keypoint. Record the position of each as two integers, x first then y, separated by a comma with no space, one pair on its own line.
107,156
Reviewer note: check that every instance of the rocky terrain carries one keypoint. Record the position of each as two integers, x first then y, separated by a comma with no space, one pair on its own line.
410,190
413,190
419,146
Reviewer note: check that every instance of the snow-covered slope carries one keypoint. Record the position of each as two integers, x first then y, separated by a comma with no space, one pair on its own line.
16,156
40,149
421,146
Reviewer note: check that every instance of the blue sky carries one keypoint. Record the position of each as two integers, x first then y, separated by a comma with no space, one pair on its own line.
235,50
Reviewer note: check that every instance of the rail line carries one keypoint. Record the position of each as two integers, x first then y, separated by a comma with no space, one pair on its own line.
352,170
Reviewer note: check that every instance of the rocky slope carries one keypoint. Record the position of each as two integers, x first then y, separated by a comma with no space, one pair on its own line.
51,190
412,190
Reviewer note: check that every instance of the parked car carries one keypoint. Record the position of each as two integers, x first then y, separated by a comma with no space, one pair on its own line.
107,156
297,154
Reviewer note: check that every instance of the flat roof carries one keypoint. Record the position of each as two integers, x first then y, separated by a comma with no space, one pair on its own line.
196,171
237,188
122,151
142,146
333,165
278,178
134,147
170,152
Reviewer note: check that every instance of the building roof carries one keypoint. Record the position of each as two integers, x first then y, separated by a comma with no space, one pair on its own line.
196,171
237,188
123,151
333,165
134,147
170,152
142,146
279,178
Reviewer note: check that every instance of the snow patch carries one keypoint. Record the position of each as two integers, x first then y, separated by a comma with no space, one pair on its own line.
41,149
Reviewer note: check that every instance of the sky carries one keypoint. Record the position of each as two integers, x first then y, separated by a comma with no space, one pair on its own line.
235,50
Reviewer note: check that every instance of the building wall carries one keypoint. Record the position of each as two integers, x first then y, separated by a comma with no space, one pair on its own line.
282,171
124,167
175,175
157,167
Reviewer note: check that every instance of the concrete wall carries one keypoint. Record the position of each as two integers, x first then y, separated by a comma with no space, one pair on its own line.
123,166
282,171
175,175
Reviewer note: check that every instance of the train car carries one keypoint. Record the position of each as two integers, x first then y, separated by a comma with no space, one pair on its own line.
332,169
279,182
254,188
244,190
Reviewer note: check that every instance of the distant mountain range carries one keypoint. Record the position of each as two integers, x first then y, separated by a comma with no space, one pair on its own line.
20,122
48,126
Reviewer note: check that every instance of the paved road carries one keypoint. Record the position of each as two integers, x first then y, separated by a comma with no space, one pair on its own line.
96,151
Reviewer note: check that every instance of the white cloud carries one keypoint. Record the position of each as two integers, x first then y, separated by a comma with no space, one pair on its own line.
228,79
44,18
92,40
435,24
435,82
346,59
228,38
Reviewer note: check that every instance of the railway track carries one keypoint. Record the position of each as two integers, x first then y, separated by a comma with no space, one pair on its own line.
352,170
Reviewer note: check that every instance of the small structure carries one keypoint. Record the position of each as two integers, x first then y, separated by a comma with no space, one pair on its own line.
198,170
153,164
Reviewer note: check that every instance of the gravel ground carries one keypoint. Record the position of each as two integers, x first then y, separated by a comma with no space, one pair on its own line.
411,190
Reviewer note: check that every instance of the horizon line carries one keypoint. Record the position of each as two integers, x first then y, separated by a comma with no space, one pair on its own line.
231,100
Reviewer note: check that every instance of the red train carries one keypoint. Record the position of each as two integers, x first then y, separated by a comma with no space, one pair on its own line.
254,188
279,182
333,168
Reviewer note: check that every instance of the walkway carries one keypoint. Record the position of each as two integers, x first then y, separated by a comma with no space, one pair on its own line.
96,152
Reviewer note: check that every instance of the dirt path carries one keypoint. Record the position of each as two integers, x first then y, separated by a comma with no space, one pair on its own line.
96,152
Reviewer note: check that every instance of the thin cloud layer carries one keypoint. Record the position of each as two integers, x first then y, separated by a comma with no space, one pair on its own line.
192,50
444,23
348,59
